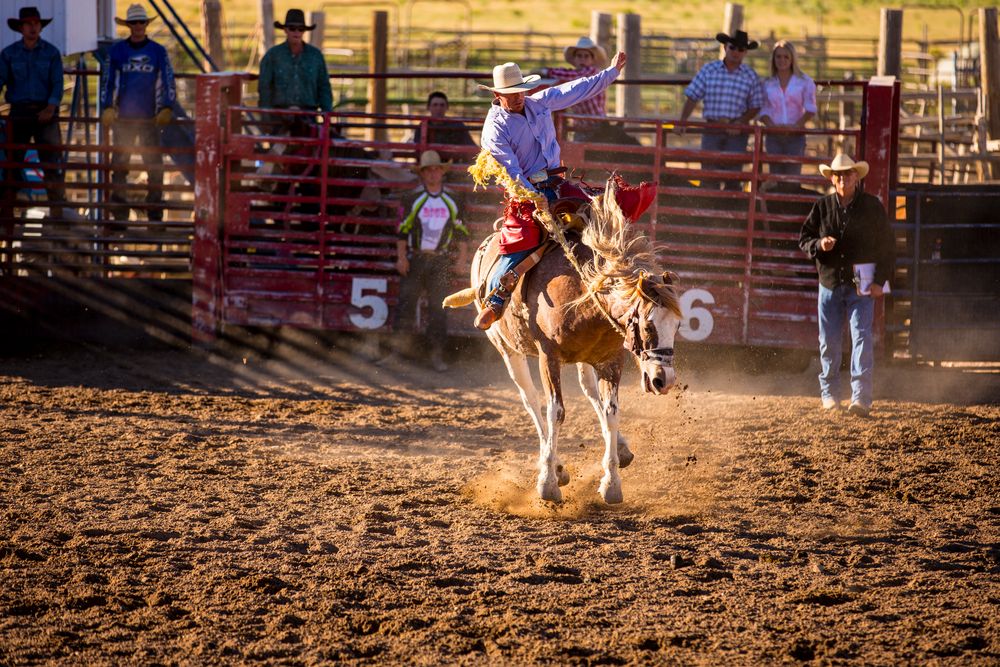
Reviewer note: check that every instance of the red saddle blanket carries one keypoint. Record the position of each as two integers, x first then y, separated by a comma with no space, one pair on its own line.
520,231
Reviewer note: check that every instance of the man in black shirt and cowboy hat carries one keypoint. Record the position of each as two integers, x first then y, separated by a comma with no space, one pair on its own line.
845,231
732,94
32,72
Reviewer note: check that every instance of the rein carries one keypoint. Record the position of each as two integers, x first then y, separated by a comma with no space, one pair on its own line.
556,229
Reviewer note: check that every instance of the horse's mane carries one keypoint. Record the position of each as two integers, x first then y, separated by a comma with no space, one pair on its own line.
623,256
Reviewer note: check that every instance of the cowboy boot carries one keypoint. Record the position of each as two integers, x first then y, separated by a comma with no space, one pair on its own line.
493,310
488,315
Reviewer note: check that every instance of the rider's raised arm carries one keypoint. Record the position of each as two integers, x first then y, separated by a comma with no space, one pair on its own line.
567,94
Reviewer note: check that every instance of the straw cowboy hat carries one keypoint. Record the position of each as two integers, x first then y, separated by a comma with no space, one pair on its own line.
294,18
26,13
430,159
388,170
134,13
507,78
844,163
587,44
740,40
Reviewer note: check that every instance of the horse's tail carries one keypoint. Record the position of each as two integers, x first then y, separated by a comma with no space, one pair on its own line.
461,298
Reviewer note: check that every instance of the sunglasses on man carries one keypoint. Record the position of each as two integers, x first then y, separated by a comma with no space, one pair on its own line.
137,22
733,47
294,28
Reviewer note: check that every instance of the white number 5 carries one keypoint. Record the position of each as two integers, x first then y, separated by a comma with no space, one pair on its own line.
367,293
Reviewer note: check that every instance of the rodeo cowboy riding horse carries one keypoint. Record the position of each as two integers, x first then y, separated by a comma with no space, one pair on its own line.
520,152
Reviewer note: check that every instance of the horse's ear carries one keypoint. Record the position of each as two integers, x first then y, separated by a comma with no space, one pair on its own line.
670,278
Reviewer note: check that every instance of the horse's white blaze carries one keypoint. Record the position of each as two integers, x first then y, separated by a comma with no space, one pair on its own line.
658,374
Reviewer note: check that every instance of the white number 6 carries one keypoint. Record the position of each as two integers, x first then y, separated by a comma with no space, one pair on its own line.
367,293
703,316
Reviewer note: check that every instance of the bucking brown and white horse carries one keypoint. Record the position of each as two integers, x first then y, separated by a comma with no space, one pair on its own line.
554,315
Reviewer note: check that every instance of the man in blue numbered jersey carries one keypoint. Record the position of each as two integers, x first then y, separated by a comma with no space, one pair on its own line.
425,252
137,95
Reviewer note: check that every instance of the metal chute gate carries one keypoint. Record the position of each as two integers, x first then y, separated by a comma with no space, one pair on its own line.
269,252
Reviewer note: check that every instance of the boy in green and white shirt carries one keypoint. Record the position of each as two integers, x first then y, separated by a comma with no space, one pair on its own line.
428,240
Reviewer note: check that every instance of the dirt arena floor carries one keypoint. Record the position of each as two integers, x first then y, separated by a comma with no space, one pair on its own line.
160,507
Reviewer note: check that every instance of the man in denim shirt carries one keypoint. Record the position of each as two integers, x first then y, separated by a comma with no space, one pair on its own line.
32,72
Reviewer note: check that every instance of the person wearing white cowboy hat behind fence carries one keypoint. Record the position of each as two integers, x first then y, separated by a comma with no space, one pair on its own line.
587,59
520,135
430,236
844,229
137,94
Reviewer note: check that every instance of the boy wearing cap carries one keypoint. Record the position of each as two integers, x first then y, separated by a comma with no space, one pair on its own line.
32,72
425,251
845,228
138,94
732,94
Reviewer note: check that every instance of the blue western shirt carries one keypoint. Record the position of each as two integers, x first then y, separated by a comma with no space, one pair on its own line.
32,75
138,79
727,95
525,144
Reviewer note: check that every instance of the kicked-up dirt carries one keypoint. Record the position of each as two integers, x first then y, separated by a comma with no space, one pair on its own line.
160,507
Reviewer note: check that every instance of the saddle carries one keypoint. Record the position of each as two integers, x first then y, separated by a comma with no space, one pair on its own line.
568,208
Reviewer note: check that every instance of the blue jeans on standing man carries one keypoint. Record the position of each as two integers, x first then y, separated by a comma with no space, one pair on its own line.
723,142
836,305
785,144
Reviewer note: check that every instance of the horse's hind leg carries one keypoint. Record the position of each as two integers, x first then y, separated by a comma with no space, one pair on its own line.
517,367
550,469
588,382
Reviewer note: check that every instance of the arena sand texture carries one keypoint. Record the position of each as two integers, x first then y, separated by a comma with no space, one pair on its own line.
161,508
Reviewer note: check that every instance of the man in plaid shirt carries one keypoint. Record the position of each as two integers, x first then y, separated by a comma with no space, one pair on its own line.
732,94
587,59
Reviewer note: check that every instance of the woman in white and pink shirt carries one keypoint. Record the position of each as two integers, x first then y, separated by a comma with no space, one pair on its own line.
790,101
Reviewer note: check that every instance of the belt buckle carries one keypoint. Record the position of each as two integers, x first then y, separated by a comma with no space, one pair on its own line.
539,176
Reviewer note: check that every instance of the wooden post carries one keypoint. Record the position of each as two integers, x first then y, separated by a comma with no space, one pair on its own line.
600,29
266,13
628,98
377,64
941,135
732,20
317,19
989,59
211,27
890,43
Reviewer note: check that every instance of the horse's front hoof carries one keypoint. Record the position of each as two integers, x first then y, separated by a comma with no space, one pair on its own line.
550,493
562,477
611,493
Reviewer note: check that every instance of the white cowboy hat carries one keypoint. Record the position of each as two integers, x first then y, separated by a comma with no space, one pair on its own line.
844,163
587,44
134,13
507,78
430,159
